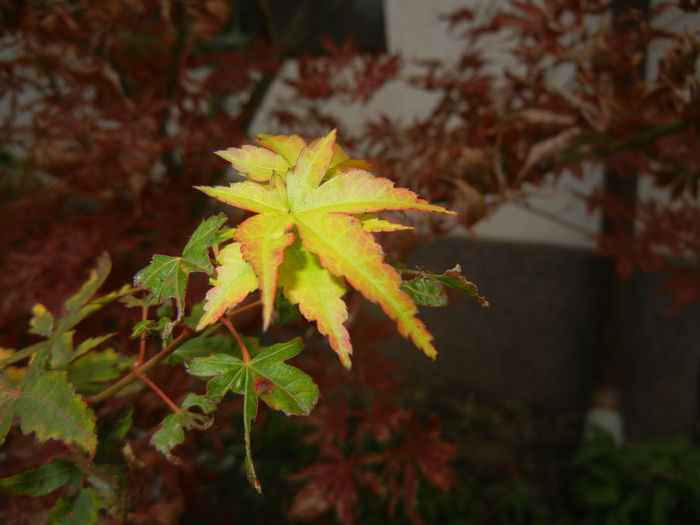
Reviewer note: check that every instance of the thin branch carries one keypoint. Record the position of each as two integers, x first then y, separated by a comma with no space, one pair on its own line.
245,308
269,20
239,339
161,394
555,218
300,33
145,367
142,339
187,334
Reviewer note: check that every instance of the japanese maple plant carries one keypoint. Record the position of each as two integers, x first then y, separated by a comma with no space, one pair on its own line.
310,236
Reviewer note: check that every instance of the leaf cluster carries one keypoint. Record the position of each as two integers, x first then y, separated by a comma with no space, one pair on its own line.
312,233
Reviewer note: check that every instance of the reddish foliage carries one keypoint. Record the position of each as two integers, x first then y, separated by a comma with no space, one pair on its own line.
114,110
359,413
490,133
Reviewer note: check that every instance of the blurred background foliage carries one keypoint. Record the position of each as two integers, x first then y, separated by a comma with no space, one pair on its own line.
111,111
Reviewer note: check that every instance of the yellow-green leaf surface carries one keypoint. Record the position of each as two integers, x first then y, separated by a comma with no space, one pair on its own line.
358,191
48,406
235,280
263,240
309,170
289,146
372,223
247,195
316,200
254,162
345,249
318,293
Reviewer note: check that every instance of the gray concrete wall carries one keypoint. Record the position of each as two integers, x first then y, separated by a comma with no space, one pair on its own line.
538,341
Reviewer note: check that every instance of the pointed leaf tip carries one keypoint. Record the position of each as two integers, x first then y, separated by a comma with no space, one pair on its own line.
263,239
235,280
287,146
255,162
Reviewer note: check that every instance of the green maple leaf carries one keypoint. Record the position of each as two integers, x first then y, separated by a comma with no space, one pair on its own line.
267,377
172,429
312,233
48,406
83,509
167,275
43,480
425,291
428,289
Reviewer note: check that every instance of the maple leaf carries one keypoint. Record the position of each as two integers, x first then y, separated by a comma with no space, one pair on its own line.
266,376
311,233
167,276
333,484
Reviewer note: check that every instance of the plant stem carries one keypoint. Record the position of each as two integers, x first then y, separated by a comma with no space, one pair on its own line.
555,218
161,394
239,339
245,308
142,339
145,367
187,333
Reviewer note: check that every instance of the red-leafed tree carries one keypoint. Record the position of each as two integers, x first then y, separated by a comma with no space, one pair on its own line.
111,113
492,137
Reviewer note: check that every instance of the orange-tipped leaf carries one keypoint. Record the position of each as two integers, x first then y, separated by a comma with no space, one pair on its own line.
318,295
264,238
235,280
345,249
255,162
358,191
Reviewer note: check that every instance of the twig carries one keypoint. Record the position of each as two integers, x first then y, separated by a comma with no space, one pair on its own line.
142,340
187,333
161,394
239,339
555,218
145,367
245,308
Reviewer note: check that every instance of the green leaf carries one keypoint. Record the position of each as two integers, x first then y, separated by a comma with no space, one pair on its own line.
227,373
96,279
48,405
61,348
285,311
111,429
62,351
279,352
250,410
172,430
133,302
143,327
41,322
293,391
425,291
167,276
97,367
281,386
42,480
197,248
90,343
204,345
19,355
289,389
284,387
69,320
169,435
455,280
81,510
